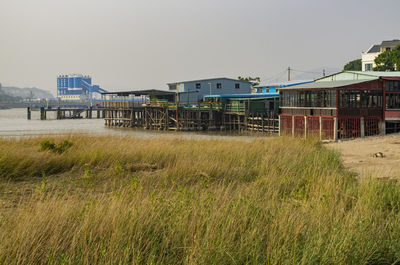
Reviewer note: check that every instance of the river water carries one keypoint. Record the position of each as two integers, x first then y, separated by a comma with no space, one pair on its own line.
14,123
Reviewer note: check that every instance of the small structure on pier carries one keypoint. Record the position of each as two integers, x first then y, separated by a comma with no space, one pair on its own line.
139,96
344,105
252,103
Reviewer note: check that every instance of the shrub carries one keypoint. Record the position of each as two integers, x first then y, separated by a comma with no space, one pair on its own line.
60,148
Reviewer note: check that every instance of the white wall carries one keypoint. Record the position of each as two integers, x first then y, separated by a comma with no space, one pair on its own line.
367,58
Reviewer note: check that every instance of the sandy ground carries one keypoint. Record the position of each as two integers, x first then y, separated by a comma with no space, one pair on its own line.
358,154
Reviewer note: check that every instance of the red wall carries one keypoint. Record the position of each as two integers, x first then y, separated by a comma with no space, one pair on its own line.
392,114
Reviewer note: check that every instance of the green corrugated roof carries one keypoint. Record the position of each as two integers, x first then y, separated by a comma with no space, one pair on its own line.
333,84
377,73
357,75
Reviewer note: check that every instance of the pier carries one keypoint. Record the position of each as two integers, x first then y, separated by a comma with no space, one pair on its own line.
67,112
158,110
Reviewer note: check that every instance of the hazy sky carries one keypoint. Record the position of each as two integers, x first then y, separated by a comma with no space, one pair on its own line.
141,44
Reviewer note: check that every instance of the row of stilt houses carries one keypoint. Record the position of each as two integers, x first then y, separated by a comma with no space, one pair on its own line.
343,105
155,110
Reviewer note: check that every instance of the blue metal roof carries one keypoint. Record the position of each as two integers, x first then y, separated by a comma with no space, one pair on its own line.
284,84
258,95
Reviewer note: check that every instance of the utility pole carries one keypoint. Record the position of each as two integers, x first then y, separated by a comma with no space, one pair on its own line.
323,72
288,73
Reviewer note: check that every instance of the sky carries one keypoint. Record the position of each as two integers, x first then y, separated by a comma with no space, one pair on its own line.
144,44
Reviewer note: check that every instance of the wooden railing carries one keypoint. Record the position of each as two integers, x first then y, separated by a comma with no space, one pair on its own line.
164,104
186,105
241,107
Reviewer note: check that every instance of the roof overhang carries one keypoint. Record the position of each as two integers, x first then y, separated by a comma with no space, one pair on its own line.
327,84
244,96
147,92
209,79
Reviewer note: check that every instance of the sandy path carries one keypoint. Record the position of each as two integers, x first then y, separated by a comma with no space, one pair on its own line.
358,155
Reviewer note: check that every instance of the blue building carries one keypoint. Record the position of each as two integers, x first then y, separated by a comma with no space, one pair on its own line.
76,87
195,90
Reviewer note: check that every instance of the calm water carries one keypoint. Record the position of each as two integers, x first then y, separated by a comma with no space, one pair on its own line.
13,122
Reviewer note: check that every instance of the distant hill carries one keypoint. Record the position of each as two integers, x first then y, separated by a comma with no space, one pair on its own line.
27,92
9,99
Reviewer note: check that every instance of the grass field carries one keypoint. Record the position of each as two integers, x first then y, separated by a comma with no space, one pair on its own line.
112,200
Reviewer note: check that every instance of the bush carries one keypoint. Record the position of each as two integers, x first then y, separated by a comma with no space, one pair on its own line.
60,148
47,145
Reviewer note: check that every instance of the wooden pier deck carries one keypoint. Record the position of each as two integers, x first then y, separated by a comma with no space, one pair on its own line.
67,112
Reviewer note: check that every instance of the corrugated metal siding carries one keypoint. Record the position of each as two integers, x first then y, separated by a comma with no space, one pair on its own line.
227,87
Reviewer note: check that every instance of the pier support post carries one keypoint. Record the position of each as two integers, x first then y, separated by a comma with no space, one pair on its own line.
131,117
262,122
335,129
382,127
246,120
279,126
320,128
58,113
198,120
90,112
42,113
166,118
305,127
362,126
28,113
292,125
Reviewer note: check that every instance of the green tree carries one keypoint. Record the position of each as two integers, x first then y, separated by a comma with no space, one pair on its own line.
255,81
388,60
354,65
396,57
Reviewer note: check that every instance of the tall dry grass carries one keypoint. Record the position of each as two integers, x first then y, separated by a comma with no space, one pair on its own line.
111,200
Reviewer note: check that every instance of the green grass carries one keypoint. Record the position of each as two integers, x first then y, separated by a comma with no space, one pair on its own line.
111,200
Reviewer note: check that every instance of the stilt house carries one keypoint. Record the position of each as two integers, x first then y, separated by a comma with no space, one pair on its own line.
344,105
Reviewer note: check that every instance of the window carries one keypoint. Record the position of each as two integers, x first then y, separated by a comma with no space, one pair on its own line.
349,98
318,99
368,67
393,101
198,85
237,85
392,94
372,99
219,85
393,85
388,49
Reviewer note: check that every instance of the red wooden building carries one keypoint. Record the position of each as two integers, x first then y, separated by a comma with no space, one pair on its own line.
344,105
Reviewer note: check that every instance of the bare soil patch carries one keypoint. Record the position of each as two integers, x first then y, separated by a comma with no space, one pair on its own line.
372,156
